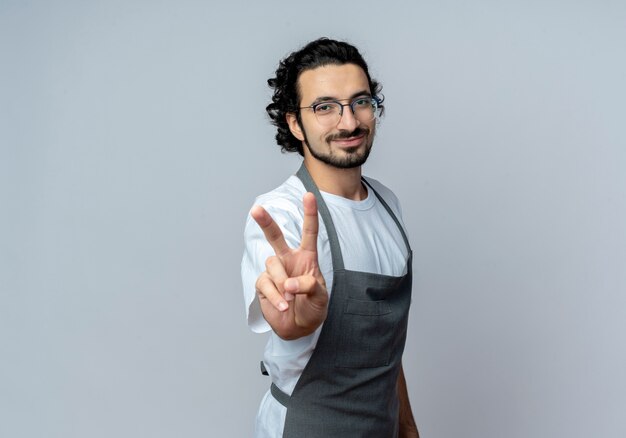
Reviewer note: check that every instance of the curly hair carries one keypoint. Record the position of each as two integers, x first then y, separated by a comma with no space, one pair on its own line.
286,98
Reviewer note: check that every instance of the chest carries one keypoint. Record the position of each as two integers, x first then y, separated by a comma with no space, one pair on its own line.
370,241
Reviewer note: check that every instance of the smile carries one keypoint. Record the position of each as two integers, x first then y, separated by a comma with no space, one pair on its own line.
349,142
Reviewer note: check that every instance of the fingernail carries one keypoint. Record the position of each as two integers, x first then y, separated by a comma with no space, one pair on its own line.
288,296
282,306
291,284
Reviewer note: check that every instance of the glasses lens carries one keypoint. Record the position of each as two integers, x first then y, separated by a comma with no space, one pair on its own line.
365,109
327,113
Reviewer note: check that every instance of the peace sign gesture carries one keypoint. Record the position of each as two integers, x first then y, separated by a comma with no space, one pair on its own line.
292,291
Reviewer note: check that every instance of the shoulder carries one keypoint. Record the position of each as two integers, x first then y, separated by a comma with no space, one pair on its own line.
386,193
288,193
284,204
284,200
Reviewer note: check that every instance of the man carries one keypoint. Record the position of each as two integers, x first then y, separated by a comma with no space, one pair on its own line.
335,294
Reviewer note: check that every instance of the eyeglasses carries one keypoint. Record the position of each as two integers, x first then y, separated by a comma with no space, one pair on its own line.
364,108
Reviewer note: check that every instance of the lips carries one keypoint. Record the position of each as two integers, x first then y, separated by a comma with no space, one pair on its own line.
350,141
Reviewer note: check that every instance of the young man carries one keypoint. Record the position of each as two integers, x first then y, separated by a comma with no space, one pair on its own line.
334,293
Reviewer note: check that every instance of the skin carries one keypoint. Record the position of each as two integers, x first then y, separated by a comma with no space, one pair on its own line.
292,291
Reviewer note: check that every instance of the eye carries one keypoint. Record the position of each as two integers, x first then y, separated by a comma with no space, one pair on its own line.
324,108
362,102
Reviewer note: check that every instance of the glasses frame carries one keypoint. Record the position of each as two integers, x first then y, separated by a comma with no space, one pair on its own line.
376,102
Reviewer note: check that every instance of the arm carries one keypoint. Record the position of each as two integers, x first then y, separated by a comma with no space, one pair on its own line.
408,428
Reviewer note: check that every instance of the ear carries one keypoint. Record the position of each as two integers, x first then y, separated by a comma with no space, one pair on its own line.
294,126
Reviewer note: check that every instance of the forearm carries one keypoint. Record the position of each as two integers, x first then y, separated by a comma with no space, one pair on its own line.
408,428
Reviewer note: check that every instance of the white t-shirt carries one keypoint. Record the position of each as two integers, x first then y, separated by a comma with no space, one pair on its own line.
370,241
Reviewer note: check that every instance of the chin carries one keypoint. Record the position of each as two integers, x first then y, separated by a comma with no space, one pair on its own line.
342,158
348,160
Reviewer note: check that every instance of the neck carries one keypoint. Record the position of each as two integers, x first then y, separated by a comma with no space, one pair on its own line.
341,182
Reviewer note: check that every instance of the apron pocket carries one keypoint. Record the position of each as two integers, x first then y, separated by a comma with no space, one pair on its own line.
365,335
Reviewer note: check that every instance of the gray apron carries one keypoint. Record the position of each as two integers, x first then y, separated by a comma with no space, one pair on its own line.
349,386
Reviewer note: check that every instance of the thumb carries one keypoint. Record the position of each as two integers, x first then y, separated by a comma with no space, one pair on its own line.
306,285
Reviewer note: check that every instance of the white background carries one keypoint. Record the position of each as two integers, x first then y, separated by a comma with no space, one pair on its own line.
133,140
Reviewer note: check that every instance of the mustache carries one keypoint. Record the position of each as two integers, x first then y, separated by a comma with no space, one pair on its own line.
342,135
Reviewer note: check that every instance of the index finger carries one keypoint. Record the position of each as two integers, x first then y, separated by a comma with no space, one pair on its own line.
310,226
272,231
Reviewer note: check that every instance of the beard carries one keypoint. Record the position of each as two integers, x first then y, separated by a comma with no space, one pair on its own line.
347,158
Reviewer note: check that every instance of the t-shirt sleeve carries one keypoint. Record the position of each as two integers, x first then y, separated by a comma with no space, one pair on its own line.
257,250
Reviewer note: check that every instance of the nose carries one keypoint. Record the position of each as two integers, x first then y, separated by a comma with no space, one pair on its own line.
347,120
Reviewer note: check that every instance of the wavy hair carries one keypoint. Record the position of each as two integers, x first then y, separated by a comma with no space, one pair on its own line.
286,98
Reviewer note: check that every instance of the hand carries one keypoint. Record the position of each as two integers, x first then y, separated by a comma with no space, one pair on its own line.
292,291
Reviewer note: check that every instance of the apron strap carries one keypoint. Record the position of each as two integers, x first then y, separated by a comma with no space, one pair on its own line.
391,213
310,186
279,395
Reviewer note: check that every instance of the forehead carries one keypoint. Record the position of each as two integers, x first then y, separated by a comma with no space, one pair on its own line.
337,81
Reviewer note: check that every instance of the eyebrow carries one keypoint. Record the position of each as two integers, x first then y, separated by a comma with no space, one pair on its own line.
327,98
